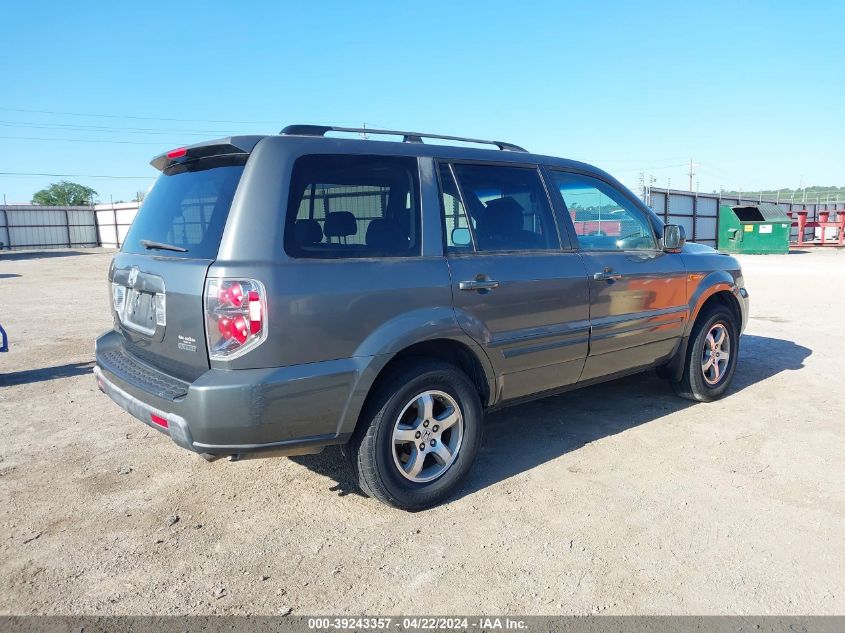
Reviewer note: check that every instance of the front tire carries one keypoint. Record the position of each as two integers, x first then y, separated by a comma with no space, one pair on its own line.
418,435
711,357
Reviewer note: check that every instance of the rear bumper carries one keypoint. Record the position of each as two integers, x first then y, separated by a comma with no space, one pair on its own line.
246,413
177,428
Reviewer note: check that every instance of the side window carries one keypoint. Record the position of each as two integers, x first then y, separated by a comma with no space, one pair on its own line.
353,206
603,218
508,208
456,227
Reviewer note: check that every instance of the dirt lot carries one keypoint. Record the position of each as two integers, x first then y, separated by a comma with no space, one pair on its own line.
618,499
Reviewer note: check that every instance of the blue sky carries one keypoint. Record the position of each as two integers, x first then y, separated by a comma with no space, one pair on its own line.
754,92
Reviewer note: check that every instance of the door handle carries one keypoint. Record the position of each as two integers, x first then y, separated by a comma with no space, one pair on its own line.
607,276
478,284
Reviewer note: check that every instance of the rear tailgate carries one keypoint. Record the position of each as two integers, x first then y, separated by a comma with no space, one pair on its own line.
157,280
174,344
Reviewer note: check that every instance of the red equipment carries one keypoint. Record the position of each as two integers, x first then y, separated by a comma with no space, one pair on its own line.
824,222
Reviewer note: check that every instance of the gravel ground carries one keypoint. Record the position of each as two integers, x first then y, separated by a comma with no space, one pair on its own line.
619,498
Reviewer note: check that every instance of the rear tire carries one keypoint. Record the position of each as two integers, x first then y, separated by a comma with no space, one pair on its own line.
418,435
711,357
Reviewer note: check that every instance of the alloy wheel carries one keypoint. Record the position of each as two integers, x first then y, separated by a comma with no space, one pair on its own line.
716,354
427,436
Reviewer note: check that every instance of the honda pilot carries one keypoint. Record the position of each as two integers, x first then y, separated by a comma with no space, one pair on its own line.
279,294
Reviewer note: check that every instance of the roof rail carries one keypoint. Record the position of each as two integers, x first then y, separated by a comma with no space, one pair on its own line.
407,137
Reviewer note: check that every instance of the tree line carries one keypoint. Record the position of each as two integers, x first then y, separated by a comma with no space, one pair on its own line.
70,194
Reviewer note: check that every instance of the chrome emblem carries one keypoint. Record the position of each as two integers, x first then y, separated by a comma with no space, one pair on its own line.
133,275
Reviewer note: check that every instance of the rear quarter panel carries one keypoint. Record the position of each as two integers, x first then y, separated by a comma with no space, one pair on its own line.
320,310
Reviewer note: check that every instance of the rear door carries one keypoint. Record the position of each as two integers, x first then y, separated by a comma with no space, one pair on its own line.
516,289
158,277
638,297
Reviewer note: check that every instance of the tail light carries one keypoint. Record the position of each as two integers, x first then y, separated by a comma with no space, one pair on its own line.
235,316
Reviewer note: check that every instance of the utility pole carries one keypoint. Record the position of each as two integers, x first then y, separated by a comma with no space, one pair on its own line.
691,174
649,182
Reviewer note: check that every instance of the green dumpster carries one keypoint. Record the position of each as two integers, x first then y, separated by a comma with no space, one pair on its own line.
756,229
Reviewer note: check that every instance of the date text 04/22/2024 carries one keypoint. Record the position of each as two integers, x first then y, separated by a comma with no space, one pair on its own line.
417,623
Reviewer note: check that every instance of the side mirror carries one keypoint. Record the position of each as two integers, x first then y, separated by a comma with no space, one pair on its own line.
674,238
461,237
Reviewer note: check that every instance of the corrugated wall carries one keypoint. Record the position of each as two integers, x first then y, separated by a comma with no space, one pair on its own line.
113,222
698,213
31,226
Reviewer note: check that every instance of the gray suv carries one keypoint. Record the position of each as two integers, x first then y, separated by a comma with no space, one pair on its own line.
278,294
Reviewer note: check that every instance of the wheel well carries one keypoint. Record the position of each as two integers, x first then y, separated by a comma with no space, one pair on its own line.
726,299
674,367
448,351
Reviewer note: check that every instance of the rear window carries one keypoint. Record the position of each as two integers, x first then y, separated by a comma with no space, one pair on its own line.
187,208
353,206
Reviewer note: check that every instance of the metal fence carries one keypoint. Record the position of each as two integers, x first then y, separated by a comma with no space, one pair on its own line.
29,226
113,222
699,213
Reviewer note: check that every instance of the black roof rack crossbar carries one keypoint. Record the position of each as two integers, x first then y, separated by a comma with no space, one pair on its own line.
407,137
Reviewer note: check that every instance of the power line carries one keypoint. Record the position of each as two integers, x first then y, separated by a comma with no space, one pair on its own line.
138,118
675,161
665,166
105,128
79,140
22,173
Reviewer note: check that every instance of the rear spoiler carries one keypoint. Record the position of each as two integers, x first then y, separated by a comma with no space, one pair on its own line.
218,147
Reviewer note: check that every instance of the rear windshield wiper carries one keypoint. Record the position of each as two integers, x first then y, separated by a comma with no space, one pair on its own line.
150,244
